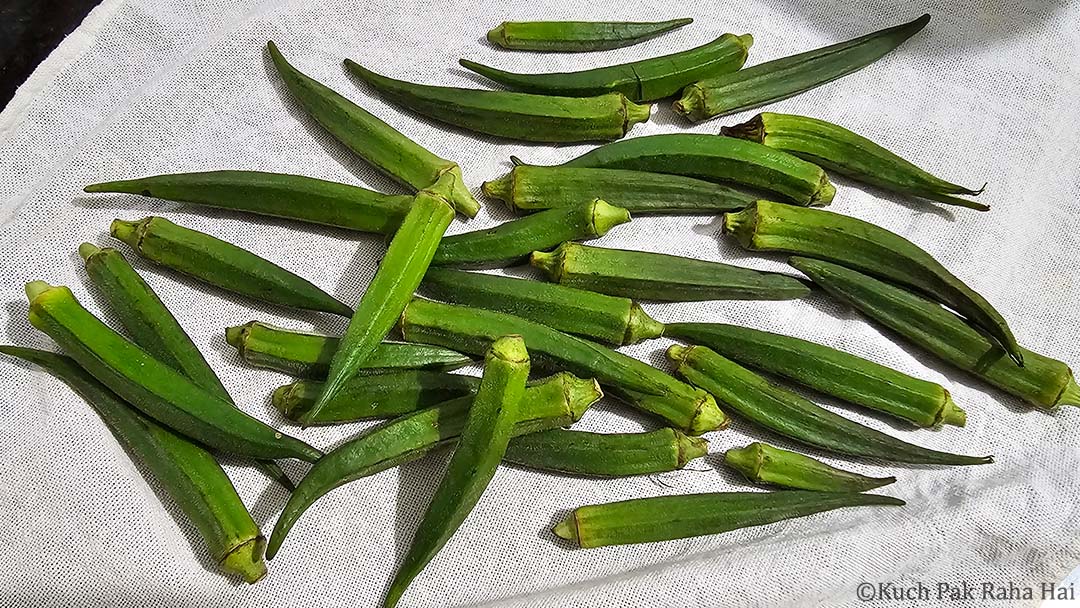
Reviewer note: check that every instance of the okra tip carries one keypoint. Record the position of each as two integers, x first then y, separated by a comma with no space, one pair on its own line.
752,130
691,105
549,262
501,189
741,224
236,337
282,398
580,394
567,529
451,185
708,417
641,326
497,36
510,348
677,353
246,560
124,186
1070,395
127,232
951,413
634,113
825,194
606,216
35,289
690,448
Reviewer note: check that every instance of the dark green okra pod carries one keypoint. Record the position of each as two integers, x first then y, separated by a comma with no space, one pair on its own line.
577,36
606,454
656,276
762,463
222,264
1043,382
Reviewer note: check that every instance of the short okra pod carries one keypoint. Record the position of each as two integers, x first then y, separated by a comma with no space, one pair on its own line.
762,463
222,264
606,454
577,36
649,520
661,277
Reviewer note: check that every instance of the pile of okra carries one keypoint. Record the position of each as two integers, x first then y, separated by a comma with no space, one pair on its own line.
427,312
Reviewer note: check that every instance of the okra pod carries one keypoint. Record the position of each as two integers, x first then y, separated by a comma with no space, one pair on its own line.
511,243
222,264
153,387
487,431
782,78
828,371
293,197
862,246
762,463
576,311
520,116
644,80
1043,382
649,520
553,402
372,139
606,454
577,36
789,414
838,149
660,277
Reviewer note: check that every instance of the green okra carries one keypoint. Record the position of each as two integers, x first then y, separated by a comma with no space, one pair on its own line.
472,330
790,415
520,116
187,472
511,243
661,277
374,396
308,355
606,454
553,402
762,463
372,139
577,36
644,80
782,78
838,149
153,387
481,446
592,315
828,371
222,264
649,520
275,194
531,187
713,158
1043,382
862,246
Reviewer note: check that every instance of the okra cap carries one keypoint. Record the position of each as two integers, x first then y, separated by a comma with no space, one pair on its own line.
246,560
129,232
605,216
641,326
690,448
501,189
86,250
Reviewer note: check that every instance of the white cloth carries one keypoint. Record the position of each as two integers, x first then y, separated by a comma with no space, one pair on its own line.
986,93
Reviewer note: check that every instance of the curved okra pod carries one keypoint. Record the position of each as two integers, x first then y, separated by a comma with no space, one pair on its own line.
511,243
829,371
606,454
788,414
645,80
762,463
656,276
838,149
577,36
275,194
521,116
1043,382
153,387
550,403
222,264
372,139
576,311
649,520
862,246
187,472
782,78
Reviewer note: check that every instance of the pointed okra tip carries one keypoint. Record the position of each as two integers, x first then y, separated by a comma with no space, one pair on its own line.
606,216
246,560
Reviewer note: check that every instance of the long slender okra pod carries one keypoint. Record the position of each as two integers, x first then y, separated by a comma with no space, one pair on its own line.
829,371
371,138
788,414
487,431
1043,382
606,454
782,78
521,116
550,403
585,313
838,149
762,463
645,80
472,330
187,472
275,194
153,387
577,36
656,276
511,243
222,264
649,520
820,234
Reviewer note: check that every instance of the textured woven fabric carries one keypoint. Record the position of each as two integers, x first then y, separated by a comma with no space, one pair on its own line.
986,93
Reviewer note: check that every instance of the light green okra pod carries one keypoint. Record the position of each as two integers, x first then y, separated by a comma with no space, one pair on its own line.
762,463
577,36
606,454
